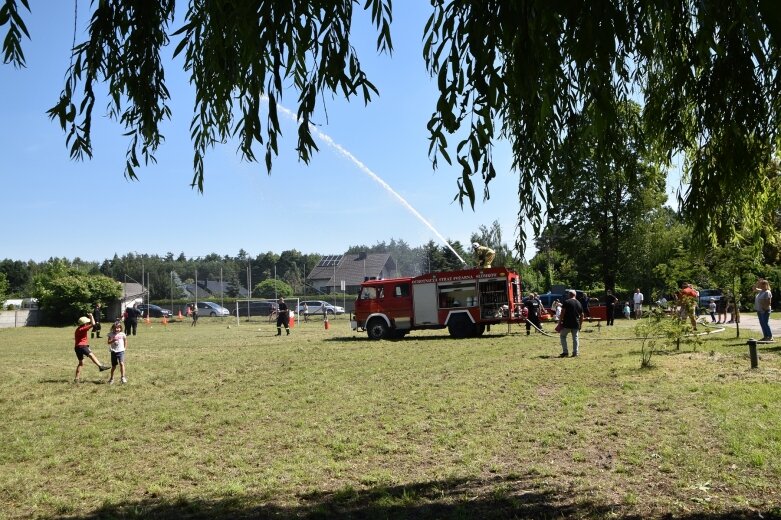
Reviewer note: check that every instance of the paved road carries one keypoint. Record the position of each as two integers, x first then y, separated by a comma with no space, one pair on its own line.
749,323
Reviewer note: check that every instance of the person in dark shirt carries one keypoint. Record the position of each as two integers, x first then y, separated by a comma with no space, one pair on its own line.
131,320
610,306
571,321
96,316
283,318
534,307
584,305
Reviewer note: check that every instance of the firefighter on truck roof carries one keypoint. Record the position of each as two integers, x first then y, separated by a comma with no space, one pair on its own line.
485,255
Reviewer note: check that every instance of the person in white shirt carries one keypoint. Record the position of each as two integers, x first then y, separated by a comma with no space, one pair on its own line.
117,343
638,299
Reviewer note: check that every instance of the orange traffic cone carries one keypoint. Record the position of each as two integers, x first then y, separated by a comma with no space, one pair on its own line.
165,321
179,318
327,324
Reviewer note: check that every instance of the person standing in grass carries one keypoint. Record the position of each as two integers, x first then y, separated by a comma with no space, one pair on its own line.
534,307
610,307
638,299
194,314
96,316
131,320
283,318
117,344
81,346
762,304
584,305
571,321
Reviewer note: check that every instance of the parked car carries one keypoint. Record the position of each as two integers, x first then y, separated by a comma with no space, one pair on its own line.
548,298
707,294
211,309
153,311
317,306
257,308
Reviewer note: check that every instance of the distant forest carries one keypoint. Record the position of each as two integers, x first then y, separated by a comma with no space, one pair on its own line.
170,271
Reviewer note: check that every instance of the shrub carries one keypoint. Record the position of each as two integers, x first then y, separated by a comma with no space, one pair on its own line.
272,288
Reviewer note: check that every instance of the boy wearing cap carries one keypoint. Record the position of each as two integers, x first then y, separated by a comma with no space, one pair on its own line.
82,346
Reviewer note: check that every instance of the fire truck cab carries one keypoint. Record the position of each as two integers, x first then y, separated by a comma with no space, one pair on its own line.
466,302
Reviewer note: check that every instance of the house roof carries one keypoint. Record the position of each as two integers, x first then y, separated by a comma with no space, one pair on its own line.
353,268
210,288
131,291
218,288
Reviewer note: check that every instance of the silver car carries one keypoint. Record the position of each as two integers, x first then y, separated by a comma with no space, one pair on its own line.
317,307
211,309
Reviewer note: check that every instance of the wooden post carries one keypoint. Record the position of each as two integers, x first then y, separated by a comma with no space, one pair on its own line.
752,352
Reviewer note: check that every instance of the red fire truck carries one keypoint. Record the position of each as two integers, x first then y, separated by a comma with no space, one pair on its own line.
466,302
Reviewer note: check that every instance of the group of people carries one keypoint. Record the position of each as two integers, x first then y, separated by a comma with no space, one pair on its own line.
718,310
570,313
117,339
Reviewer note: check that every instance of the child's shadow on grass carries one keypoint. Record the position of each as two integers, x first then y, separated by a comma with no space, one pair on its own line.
70,381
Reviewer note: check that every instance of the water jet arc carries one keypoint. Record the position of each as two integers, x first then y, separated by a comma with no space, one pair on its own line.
365,169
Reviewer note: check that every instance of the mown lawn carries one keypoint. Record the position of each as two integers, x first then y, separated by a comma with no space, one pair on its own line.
222,421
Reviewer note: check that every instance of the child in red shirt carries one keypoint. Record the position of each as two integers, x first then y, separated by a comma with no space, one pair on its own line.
82,346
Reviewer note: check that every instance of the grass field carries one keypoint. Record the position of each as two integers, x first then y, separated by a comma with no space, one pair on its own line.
226,422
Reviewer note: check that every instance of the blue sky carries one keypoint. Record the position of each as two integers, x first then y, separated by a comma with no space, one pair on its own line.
58,207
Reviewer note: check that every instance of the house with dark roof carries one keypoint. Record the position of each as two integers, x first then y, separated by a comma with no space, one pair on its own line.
209,288
352,268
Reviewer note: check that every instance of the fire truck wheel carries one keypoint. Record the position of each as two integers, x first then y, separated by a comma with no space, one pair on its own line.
377,329
480,329
461,327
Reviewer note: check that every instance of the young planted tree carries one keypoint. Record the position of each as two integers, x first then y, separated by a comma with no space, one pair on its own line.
659,332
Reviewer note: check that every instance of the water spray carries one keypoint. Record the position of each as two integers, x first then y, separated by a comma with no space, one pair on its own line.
365,169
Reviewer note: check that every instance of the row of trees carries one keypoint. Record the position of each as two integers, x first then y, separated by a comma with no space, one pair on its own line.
165,275
652,253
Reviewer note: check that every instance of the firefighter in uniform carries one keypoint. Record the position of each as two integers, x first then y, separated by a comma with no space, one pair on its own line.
283,317
485,255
